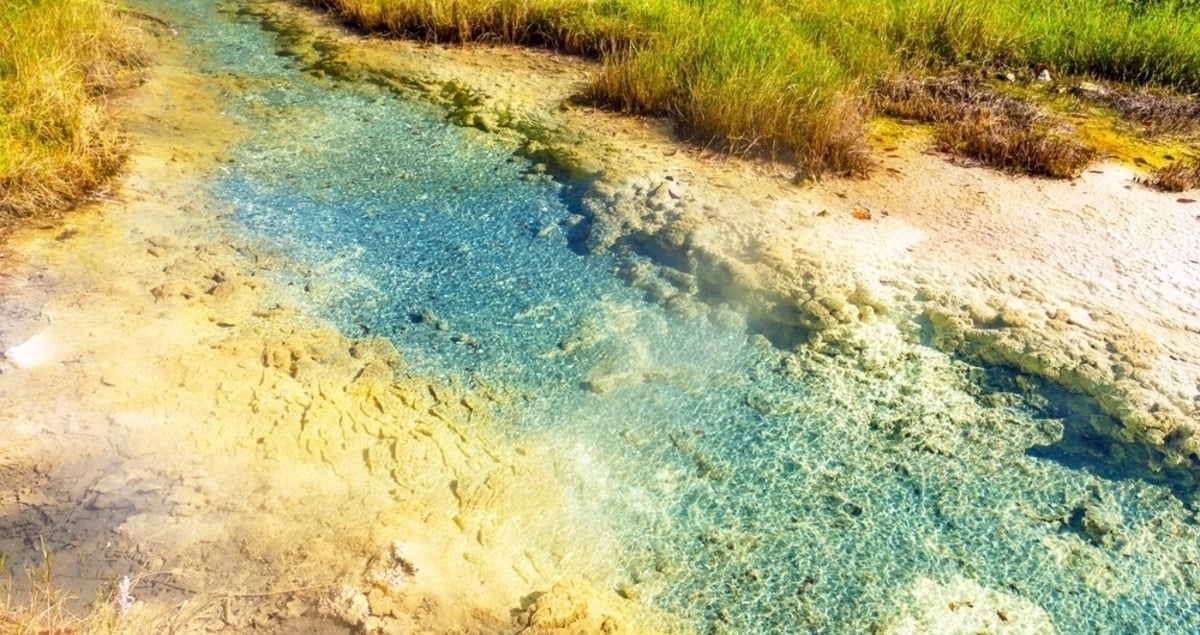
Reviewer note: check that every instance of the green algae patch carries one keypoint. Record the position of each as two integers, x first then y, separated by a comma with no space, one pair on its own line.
1116,140
886,133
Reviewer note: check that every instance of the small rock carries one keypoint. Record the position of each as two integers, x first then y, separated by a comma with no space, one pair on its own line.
466,340
175,288
392,569
1088,89
163,242
36,351
347,604
629,592
1101,523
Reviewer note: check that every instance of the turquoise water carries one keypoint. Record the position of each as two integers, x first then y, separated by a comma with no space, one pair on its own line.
760,491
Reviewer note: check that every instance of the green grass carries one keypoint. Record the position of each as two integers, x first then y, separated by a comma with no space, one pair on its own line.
792,79
57,60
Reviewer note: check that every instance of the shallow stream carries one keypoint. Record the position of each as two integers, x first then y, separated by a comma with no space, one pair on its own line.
755,490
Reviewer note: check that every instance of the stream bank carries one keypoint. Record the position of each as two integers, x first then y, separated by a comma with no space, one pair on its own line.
1032,274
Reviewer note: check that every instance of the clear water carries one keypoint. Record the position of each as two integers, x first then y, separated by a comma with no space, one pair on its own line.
761,491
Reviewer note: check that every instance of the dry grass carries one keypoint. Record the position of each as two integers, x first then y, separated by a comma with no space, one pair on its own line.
42,609
1158,111
58,58
1177,177
972,120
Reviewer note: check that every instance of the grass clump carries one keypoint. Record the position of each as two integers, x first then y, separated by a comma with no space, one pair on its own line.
1157,110
58,58
745,86
978,122
43,611
792,78
1177,177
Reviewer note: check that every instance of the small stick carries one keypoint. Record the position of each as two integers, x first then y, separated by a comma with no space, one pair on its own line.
141,15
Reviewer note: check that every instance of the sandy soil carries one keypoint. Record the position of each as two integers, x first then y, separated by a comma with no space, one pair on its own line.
172,418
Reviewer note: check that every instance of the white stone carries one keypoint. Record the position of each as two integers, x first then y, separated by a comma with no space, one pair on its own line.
36,351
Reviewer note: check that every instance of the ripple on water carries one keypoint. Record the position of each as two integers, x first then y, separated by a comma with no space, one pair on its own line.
759,491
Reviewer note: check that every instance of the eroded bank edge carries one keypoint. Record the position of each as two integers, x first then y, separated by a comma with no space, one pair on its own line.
807,300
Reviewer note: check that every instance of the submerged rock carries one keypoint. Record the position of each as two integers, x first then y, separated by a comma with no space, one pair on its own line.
1109,361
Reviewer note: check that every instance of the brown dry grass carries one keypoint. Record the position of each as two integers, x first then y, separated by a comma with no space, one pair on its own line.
1159,111
1177,177
41,609
58,59
974,121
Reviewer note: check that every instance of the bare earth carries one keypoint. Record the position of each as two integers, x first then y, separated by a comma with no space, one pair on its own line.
170,417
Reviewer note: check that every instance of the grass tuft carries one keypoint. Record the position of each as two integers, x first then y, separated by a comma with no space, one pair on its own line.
1177,177
769,96
972,120
58,58
42,609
